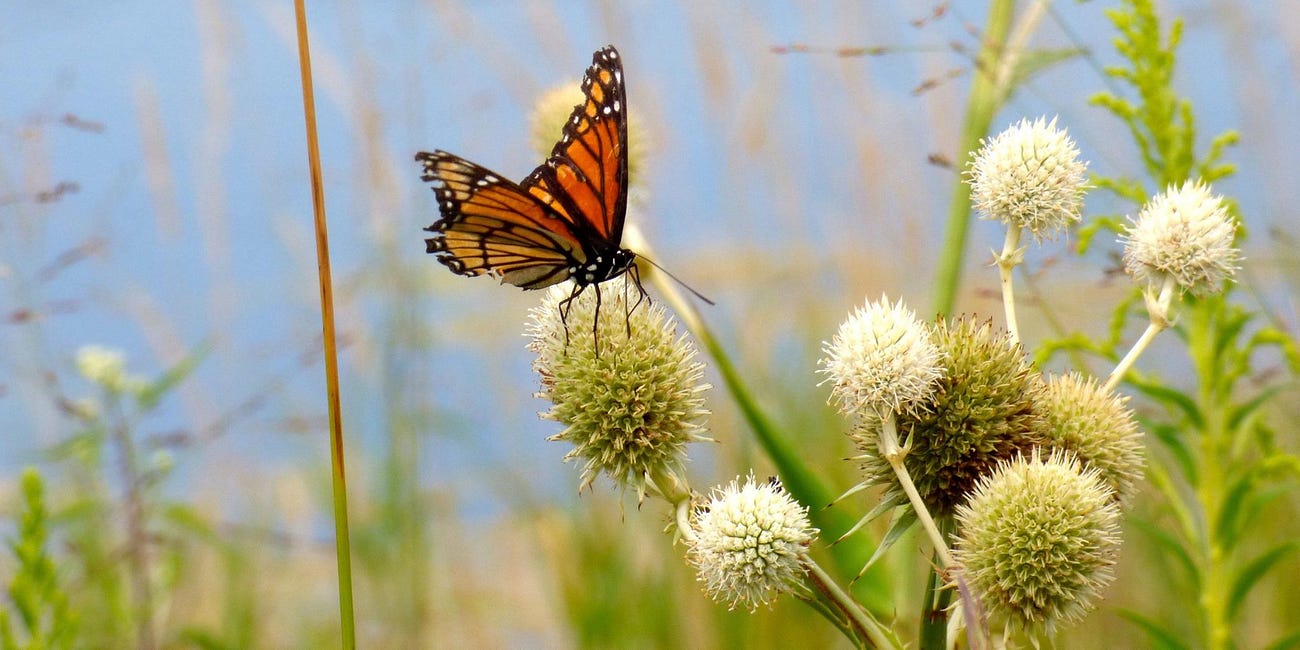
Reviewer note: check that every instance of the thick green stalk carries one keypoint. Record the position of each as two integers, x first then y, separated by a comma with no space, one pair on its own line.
1201,341
986,95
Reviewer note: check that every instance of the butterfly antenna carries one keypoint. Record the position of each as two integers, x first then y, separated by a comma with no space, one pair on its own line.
677,280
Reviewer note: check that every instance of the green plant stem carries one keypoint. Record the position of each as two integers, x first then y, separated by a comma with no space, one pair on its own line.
1158,309
1210,488
862,622
137,535
1007,261
933,633
896,454
342,539
986,95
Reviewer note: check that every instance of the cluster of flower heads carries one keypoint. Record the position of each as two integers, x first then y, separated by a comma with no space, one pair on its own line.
1022,461
985,415
627,388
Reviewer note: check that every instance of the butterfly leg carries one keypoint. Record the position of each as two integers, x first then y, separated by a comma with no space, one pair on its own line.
641,296
595,323
567,304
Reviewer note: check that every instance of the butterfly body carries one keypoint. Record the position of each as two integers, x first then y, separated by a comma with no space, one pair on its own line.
564,220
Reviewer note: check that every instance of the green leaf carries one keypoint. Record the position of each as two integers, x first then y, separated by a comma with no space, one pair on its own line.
1171,397
1253,571
1171,545
904,519
1032,62
1161,637
1101,223
1232,510
1171,437
1237,414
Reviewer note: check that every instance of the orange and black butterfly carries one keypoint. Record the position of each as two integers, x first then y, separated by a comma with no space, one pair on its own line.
564,221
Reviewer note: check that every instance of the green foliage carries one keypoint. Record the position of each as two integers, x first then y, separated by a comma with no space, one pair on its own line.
1220,470
132,547
36,596
1161,123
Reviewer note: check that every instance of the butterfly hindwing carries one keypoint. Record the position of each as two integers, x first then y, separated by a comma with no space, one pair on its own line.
491,225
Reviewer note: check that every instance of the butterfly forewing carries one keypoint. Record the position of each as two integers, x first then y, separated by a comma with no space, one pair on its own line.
585,179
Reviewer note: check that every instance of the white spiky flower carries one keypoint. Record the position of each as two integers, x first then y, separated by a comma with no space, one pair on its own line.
881,361
749,542
1029,176
1186,234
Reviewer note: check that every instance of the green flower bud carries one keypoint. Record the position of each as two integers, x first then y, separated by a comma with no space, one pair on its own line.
629,407
1037,541
1097,427
982,412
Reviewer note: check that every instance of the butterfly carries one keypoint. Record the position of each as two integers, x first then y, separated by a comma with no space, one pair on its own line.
563,221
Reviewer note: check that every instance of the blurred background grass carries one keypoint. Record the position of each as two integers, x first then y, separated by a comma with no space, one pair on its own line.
153,198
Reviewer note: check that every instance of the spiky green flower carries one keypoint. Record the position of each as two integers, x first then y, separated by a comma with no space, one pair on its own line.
630,402
552,111
1186,234
982,412
1029,176
1098,427
1037,541
748,543
881,361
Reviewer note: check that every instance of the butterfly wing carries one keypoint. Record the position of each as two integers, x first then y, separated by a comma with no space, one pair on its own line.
491,225
585,178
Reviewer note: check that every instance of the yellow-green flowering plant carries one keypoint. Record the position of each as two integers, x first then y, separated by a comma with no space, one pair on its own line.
1020,476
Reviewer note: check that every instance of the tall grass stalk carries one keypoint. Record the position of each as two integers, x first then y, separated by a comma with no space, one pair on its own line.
342,544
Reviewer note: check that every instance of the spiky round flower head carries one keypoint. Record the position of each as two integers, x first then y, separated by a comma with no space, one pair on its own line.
748,543
552,111
1097,427
881,361
630,403
1029,176
1037,541
982,412
1186,234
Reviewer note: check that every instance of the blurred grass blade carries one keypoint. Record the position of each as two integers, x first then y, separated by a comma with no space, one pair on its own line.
159,388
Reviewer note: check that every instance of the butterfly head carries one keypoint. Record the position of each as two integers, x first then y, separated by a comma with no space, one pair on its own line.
603,266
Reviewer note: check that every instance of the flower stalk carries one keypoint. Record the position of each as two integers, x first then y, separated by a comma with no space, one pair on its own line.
895,454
